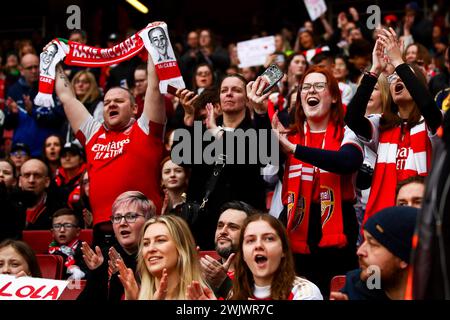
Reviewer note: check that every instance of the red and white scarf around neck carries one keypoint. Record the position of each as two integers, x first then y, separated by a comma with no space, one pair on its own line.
76,54
384,181
297,194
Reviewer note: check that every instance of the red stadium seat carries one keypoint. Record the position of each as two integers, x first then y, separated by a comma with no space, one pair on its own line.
211,253
51,266
40,239
73,290
337,283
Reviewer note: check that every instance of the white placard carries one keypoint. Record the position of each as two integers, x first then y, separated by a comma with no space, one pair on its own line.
315,8
254,52
28,288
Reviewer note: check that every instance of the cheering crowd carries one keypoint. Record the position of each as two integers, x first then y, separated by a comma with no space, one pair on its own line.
356,120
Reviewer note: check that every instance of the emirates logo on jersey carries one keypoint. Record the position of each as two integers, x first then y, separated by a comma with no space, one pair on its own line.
109,150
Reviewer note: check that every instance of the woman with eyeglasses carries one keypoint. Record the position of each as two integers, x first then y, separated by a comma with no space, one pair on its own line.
20,153
203,77
318,190
130,211
403,135
167,262
88,92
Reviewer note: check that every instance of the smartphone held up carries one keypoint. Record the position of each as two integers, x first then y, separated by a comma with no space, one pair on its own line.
272,75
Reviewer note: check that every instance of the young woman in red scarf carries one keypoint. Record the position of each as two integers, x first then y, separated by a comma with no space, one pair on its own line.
403,135
318,186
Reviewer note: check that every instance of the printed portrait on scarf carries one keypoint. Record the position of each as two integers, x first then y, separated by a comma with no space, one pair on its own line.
160,42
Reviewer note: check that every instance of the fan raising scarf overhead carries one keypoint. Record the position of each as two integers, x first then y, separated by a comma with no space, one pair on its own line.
154,38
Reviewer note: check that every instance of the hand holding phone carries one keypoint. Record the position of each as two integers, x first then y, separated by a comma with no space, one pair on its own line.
172,90
272,75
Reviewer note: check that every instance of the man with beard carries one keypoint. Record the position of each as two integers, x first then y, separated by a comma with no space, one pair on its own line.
384,257
219,273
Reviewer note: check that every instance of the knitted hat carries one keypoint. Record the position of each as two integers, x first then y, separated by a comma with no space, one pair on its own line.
393,228
412,6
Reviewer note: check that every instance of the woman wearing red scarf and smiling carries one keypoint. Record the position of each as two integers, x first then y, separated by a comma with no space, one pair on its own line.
404,134
318,186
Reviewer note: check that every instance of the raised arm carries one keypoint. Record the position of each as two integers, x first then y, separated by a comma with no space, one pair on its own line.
418,90
75,111
154,108
356,109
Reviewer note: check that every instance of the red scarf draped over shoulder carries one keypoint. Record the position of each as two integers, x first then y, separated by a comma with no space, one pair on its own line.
297,194
384,183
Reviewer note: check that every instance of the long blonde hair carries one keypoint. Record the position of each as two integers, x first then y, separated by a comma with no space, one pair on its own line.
94,92
188,265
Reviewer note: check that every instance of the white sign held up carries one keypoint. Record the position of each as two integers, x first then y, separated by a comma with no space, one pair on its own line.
254,52
27,288
315,8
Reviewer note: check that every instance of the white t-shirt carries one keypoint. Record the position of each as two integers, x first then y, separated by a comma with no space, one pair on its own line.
302,289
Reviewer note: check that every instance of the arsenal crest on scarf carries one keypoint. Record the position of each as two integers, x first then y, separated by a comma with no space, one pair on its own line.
326,205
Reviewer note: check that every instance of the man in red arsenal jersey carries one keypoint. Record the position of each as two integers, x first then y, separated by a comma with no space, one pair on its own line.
118,146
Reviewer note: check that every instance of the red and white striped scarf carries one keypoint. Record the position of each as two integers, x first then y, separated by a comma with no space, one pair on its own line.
309,54
384,183
77,54
297,194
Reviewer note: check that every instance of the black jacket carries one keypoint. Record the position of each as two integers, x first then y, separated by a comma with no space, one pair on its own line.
99,287
242,182
356,289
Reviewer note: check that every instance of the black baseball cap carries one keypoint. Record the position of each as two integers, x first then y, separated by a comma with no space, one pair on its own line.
72,148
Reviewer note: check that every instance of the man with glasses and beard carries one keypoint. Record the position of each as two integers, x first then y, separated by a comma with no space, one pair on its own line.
219,273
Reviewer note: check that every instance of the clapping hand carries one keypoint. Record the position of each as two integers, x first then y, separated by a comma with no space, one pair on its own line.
126,277
195,291
161,293
213,271
12,105
392,46
92,259
113,257
379,61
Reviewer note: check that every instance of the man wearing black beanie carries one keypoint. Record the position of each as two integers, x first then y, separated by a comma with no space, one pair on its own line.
384,257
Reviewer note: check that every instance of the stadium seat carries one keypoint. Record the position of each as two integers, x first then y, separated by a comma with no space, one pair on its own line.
211,253
337,283
73,290
39,240
51,266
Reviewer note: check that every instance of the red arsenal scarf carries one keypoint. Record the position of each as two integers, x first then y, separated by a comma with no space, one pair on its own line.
67,250
298,185
154,37
384,183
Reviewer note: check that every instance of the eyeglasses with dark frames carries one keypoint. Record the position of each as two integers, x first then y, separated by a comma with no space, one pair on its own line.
129,217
